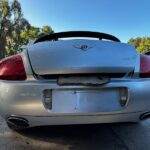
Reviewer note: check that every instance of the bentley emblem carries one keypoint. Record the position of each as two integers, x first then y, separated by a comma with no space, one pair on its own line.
83,47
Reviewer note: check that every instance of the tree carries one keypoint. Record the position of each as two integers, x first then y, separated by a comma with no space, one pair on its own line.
142,44
15,30
135,42
11,24
46,30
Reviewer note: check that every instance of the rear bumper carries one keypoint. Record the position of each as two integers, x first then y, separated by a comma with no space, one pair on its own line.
25,99
81,119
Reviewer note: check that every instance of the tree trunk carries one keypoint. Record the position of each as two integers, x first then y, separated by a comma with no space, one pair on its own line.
2,49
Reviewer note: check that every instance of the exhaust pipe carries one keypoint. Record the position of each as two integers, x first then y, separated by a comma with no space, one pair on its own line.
145,116
18,122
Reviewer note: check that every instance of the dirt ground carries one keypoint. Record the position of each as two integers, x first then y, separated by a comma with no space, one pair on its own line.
126,136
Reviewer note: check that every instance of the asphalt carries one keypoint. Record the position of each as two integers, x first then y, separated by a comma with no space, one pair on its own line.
122,136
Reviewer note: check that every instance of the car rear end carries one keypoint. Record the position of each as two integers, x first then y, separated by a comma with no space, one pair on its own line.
62,83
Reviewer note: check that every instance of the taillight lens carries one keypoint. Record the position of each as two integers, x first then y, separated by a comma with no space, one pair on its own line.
12,68
144,66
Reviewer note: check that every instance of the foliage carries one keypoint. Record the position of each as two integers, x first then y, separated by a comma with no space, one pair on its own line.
142,44
15,30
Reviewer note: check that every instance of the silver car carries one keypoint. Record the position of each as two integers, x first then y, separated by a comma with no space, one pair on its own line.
90,77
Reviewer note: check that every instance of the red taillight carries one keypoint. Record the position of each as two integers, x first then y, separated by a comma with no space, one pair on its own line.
144,66
12,68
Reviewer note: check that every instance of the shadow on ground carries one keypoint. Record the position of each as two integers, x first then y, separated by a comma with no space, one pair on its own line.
122,136
80,137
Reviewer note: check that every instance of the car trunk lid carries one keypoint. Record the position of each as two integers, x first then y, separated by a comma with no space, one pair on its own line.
81,56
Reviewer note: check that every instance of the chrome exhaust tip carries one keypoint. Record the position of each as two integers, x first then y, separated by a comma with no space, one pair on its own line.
145,116
18,121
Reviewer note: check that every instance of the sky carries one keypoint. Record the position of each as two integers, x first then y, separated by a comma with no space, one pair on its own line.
123,18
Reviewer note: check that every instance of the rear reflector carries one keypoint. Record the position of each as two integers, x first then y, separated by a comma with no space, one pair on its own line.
48,98
144,66
12,68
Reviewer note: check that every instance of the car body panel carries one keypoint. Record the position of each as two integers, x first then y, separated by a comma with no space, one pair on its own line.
26,98
77,104
82,119
67,57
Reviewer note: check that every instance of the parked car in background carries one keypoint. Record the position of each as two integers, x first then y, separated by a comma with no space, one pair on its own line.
147,52
90,77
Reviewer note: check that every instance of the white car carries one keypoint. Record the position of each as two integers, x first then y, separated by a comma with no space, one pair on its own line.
81,80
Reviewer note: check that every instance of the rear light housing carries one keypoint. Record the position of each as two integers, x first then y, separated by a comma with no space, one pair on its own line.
12,68
144,66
